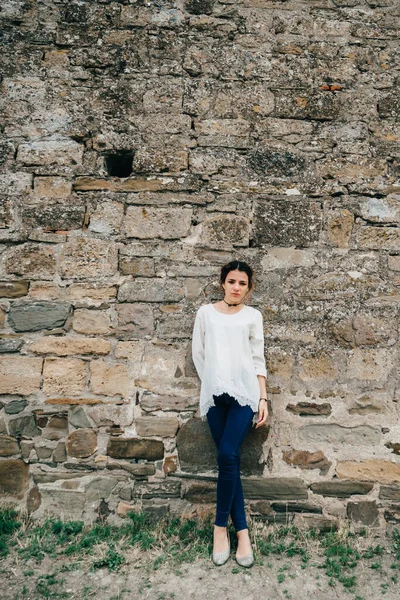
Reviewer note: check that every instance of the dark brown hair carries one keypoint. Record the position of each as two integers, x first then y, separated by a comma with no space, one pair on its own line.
237,265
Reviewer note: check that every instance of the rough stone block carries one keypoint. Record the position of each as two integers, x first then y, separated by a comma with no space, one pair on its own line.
377,238
63,503
20,375
370,364
34,316
15,184
33,500
315,522
64,376
32,260
10,343
100,487
151,402
362,330
81,443
200,492
119,415
60,453
306,460
107,218
158,426
214,160
14,478
138,184
274,488
333,433
56,428
15,406
77,418
63,215
91,295
363,512
138,470
51,152
389,106
65,345
52,187
8,446
225,231
294,507
91,322
170,464
138,266
135,448
302,104
380,210
13,289
24,426
111,379
319,365
275,163
309,408
89,258
339,227
151,290
165,223
134,321
389,492
154,160
286,258
282,222
341,489
373,469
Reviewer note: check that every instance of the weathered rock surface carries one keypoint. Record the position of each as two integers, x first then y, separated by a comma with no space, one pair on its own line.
14,478
146,144
341,489
135,448
81,443
34,316
363,512
195,434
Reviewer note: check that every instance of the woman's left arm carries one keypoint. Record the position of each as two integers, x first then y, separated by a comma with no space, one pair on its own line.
263,404
257,349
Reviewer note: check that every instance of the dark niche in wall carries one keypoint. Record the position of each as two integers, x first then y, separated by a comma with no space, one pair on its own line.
119,164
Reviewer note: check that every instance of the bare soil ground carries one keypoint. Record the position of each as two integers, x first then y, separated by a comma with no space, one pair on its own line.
271,578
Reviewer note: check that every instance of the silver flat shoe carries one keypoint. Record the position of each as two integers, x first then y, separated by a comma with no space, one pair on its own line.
246,561
220,558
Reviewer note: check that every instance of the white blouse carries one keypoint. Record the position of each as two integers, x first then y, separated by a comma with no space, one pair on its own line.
228,353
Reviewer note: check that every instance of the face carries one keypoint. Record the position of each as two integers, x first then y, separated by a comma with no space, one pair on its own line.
236,286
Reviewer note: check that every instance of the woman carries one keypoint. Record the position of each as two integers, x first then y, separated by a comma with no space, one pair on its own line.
228,352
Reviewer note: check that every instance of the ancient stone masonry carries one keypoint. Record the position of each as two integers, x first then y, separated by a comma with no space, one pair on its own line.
142,145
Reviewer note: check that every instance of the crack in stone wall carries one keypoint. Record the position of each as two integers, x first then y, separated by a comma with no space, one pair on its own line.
143,145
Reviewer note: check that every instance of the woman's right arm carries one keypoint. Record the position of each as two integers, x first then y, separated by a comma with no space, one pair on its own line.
198,346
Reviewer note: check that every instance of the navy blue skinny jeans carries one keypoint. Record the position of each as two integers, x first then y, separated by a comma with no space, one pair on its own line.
229,423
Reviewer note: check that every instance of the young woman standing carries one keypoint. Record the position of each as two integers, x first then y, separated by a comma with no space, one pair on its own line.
228,353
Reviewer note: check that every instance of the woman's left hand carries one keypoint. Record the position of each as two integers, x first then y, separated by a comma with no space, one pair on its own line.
262,413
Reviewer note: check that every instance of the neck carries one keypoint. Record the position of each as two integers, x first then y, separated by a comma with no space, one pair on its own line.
238,304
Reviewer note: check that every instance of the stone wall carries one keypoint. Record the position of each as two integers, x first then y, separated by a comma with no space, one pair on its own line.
144,144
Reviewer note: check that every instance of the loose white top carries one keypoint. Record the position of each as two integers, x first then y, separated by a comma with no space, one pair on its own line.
228,353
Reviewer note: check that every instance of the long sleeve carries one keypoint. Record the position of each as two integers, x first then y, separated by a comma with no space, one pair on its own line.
257,345
198,346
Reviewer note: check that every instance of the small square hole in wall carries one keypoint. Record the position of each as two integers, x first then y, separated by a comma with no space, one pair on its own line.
119,164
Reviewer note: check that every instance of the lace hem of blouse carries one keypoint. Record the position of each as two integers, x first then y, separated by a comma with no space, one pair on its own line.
242,400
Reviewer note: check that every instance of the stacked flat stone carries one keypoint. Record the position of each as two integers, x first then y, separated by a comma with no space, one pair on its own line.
142,146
